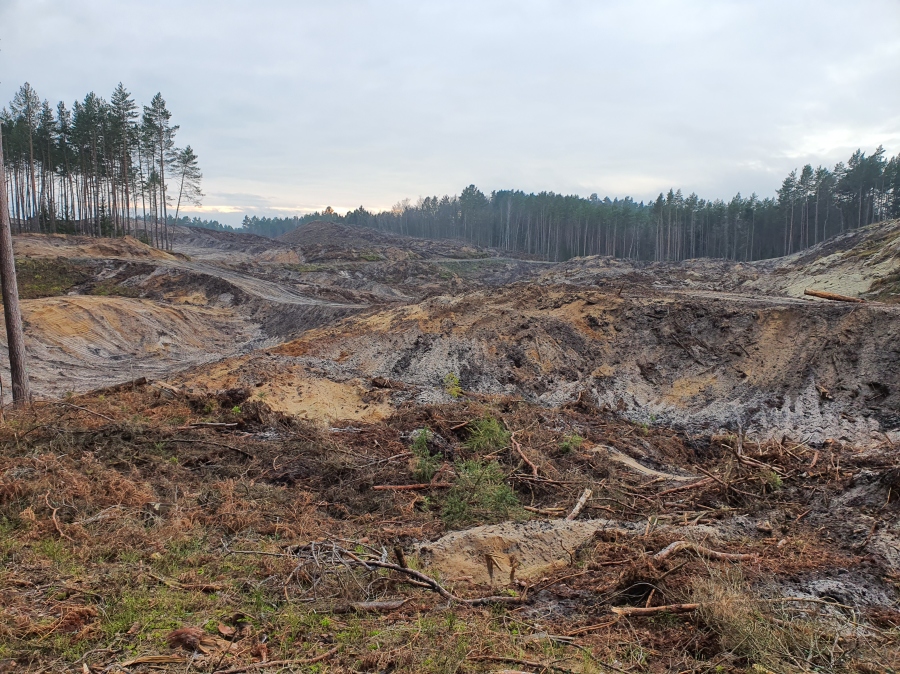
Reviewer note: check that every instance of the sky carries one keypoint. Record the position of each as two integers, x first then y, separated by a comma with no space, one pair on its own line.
295,105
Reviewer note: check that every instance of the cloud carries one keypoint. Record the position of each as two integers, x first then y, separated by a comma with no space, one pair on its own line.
305,104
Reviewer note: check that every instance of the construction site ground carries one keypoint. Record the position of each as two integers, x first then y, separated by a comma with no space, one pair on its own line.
344,451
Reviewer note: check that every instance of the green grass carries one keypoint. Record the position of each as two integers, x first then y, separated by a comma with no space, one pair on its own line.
426,464
112,289
306,268
570,443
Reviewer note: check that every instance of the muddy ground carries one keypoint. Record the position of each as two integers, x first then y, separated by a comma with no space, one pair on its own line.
349,452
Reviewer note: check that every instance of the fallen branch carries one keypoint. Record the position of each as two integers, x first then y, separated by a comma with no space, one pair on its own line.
684,487
591,628
278,663
518,448
586,494
152,660
678,546
209,424
652,610
56,524
685,608
549,512
410,487
516,661
346,557
724,484
79,407
832,296
376,606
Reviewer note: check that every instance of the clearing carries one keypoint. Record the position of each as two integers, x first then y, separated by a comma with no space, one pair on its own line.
349,452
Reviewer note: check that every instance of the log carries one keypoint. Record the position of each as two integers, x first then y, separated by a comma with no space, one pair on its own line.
832,296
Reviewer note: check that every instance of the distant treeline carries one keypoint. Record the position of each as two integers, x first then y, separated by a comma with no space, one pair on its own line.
811,205
270,227
100,169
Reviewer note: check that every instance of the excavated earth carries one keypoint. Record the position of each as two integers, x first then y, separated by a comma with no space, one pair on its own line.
341,395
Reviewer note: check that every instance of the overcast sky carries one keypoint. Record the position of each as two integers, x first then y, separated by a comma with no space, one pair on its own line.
295,105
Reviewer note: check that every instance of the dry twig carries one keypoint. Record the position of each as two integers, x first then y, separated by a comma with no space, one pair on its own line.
585,495
278,663
678,546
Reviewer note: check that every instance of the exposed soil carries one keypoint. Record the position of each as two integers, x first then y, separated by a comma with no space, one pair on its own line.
357,453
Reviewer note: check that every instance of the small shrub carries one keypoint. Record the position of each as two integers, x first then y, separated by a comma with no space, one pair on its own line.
487,435
772,479
571,442
480,495
451,385
425,464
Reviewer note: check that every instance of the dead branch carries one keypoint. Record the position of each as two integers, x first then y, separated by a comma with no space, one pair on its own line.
516,661
724,484
586,494
684,487
346,557
375,606
678,546
56,524
410,487
591,628
278,663
549,512
207,424
652,610
518,448
59,403
832,296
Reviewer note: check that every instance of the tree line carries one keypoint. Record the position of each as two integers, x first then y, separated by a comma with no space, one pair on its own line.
811,205
101,168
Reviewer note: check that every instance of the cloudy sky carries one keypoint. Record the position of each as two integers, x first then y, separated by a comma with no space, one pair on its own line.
294,105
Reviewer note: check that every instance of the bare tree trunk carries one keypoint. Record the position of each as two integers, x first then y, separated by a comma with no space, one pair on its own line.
11,312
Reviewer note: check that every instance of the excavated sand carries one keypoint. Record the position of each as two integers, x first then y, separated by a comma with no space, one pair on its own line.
63,245
539,546
80,342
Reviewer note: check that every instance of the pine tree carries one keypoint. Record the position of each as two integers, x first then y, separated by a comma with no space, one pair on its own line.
186,170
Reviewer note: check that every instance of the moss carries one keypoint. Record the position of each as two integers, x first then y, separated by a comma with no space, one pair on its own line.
39,277
112,289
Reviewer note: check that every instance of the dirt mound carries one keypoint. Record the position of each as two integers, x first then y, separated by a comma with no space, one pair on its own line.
322,240
324,233
68,246
861,263
231,248
703,364
82,342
